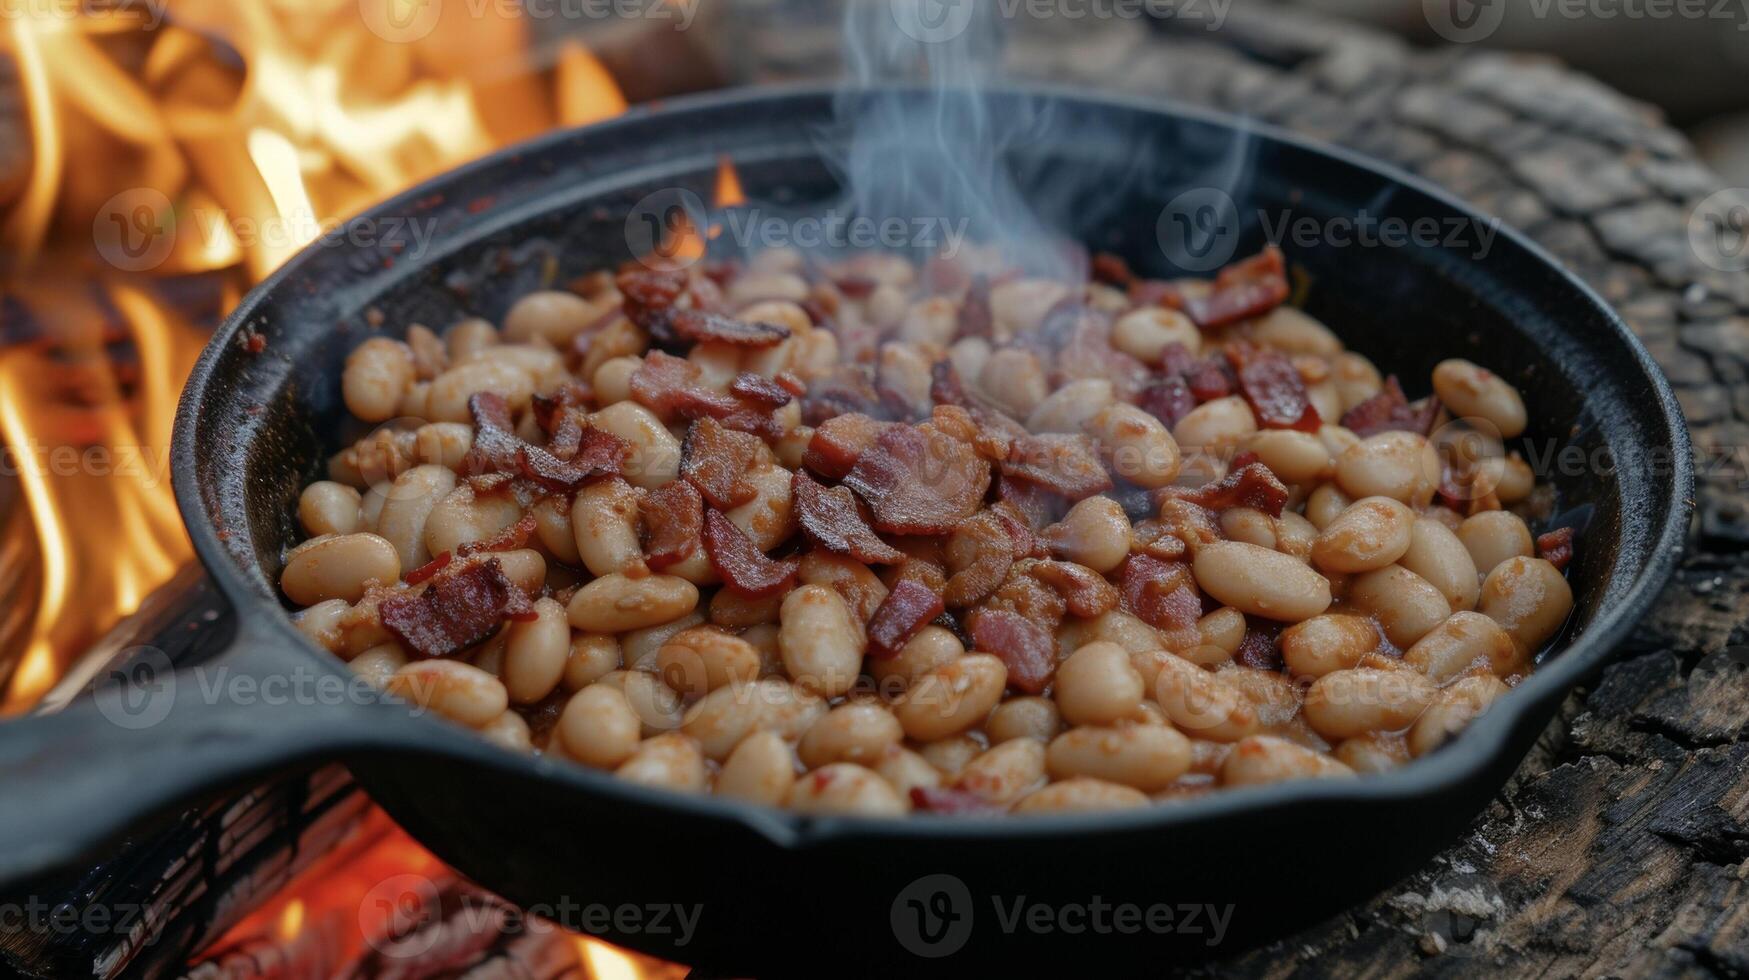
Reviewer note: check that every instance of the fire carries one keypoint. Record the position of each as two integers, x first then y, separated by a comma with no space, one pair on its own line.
176,160
729,193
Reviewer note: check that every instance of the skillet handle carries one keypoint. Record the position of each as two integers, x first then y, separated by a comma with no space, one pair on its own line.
150,737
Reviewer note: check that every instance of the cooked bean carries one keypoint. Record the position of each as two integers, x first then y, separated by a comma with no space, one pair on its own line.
551,315
1288,329
1018,306
1406,605
612,381
717,363
950,755
1325,504
338,567
932,647
621,338
326,507
1372,533
1069,408
732,610
1095,533
854,732
1529,598
701,659
1216,425
615,603
952,698
1219,635
377,373
1026,717
321,623
605,525
905,372
1395,464
1296,457
1006,772
905,770
668,761
761,769
1116,626
469,337
655,454
726,715
509,731
1467,640
821,644
659,707
1372,753
1355,377
592,657
1081,795
756,286
378,664
598,727
1516,480
847,789
1452,711
463,517
455,690
1250,525
1493,536
1014,381
552,528
1269,759
1327,643
639,648
488,655
1144,334
536,652
1260,582
525,568
1437,555
450,391
768,519
1276,697
1146,757
1294,536
1472,391
1097,685
783,313
1138,447
443,443
406,508
1203,703
1346,703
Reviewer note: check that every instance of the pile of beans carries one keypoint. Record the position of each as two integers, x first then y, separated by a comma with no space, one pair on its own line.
870,537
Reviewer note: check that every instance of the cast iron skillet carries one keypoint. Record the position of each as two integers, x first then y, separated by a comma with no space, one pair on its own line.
777,892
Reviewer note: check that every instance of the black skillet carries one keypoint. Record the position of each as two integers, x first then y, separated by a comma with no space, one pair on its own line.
775,892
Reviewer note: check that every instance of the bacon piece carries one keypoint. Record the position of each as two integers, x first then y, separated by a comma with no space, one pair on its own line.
945,387
831,519
1209,378
1038,505
1087,353
495,443
1390,410
847,390
908,608
1243,290
975,317
1253,485
761,390
1155,292
1112,270
598,454
1259,649
1087,592
695,326
839,442
1161,594
951,801
1168,400
1274,388
509,539
550,409
428,569
919,481
673,523
1065,464
1025,647
1026,543
670,385
716,461
458,609
984,552
744,568
648,292
567,437
1556,547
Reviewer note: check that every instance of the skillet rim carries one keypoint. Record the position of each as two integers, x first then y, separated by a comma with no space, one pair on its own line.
1466,757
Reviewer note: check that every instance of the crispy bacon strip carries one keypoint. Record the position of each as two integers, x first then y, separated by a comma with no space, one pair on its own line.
1064,464
839,442
919,481
1027,648
744,568
1242,290
1253,485
1273,387
975,318
760,390
509,539
716,461
670,385
1112,270
696,326
831,519
1161,594
648,292
1391,410
458,609
495,442
908,608
551,410
673,523
598,454
1168,400
1087,593
1556,547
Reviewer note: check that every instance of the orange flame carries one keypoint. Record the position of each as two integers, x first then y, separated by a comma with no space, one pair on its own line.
729,193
